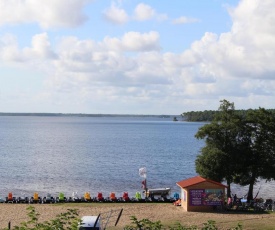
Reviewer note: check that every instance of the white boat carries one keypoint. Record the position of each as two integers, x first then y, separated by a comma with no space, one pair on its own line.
158,191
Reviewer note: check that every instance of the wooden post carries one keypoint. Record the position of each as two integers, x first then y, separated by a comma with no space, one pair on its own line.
146,189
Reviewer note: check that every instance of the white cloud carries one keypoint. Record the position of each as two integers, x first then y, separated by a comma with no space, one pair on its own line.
116,15
144,12
185,20
41,48
141,42
133,41
9,51
47,14
241,56
237,65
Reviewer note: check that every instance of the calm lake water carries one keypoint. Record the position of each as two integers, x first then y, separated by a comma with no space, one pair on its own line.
98,154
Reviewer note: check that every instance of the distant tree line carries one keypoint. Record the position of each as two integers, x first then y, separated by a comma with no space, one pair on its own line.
209,115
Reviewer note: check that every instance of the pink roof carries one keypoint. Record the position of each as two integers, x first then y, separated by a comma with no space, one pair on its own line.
196,180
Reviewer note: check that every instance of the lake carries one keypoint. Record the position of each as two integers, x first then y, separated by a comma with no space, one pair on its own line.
98,154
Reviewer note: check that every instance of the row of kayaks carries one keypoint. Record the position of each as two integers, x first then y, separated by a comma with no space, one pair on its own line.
61,198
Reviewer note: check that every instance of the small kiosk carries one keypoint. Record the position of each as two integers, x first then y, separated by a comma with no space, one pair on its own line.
199,194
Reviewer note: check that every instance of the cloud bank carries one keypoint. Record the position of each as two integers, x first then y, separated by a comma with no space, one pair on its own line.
47,14
132,69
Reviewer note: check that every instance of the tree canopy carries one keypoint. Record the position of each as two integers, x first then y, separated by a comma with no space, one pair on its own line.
239,149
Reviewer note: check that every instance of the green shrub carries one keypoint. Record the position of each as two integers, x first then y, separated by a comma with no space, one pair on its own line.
70,221
143,224
146,224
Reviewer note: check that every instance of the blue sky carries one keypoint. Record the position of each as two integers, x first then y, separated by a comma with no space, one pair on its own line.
136,57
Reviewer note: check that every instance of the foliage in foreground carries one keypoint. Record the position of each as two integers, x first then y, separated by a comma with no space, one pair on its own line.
146,224
70,220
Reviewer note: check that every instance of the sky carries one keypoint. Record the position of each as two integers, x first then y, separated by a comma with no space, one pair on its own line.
136,57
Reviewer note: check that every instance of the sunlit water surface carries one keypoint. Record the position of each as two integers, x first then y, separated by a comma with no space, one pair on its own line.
98,154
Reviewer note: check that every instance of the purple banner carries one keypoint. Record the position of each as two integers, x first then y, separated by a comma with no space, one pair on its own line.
196,197
200,197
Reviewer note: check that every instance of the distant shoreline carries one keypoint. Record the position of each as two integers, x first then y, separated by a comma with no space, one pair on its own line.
82,115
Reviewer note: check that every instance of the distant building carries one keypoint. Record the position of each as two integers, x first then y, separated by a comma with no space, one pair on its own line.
199,194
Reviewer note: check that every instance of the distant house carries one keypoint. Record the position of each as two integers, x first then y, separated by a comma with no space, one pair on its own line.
199,194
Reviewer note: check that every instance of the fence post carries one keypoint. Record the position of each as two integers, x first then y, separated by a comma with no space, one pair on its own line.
9,225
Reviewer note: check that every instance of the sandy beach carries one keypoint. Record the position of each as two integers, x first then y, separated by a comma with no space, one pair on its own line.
165,212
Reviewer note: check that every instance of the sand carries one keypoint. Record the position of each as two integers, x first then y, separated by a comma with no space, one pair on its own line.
165,212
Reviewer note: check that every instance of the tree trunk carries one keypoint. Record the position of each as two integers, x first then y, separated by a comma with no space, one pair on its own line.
228,189
250,189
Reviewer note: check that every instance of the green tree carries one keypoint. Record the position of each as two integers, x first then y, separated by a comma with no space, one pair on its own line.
219,158
210,163
258,155
240,147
